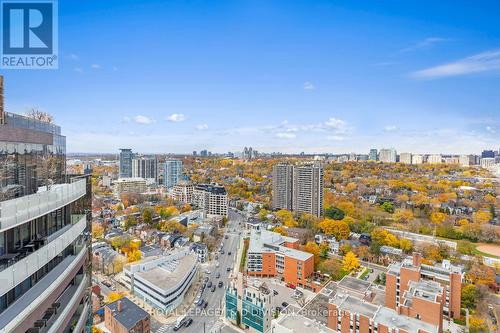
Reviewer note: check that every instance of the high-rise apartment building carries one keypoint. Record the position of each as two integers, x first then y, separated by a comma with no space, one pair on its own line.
405,158
417,159
44,228
467,160
373,155
308,189
387,155
126,156
183,192
435,159
173,173
298,188
145,167
282,186
487,154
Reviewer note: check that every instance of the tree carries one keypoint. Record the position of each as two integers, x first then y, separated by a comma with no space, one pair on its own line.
403,215
469,296
36,114
350,262
406,245
391,240
263,214
134,255
114,296
147,216
387,207
437,217
280,230
339,229
313,248
480,274
481,216
477,324
286,217
97,230
130,221
323,250
331,267
96,329
465,247
378,235
186,208
334,213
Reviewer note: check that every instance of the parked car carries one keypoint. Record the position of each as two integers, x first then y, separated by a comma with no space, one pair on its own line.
213,288
221,284
275,292
205,304
226,237
228,269
209,284
229,253
284,304
188,322
217,275
180,322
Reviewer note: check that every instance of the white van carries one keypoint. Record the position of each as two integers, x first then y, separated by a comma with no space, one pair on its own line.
180,322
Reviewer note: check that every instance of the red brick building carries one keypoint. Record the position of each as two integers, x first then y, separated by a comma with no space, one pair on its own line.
124,316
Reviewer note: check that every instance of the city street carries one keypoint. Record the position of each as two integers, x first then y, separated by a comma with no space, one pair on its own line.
210,319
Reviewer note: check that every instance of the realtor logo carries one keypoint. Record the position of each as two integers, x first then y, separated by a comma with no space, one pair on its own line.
29,34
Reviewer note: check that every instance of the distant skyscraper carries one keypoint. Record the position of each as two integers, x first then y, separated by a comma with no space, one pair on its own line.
204,153
487,153
145,167
405,158
387,155
373,156
173,173
467,160
126,156
282,186
308,189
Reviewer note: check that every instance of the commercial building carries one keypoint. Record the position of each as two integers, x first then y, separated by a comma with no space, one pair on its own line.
173,173
404,275
124,316
487,154
144,167
44,230
126,156
487,162
183,192
282,186
252,303
162,281
405,158
211,199
373,155
271,254
387,155
299,188
130,185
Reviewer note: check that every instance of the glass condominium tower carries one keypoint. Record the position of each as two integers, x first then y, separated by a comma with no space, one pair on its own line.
172,173
44,230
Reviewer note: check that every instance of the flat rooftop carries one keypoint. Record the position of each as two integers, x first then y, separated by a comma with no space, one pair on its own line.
354,305
300,324
268,241
353,284
390,318
168,274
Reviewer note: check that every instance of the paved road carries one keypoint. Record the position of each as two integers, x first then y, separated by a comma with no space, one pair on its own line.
209,319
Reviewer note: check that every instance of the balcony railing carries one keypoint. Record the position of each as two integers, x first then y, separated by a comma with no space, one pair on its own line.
31,300
21,210
22,269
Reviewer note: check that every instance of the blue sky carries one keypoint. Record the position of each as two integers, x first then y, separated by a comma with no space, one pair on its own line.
291,76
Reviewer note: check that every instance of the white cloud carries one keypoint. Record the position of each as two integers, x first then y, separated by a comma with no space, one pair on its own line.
335,138
335,124
95,66
490,129
202,127
309,86
425,43
483,62
390,128
176,117
140,119
285,135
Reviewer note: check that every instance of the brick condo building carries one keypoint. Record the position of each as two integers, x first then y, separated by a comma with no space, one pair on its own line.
271,254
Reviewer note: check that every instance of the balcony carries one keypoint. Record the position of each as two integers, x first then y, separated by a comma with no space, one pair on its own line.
21,210
33,298
22,269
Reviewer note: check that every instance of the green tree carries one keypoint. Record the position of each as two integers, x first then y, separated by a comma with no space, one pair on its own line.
469,296
147,216
388,207
334,213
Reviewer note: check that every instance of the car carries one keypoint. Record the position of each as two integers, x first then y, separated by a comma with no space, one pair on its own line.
278,309
228,269
205,304
205,279
217,275
201,302
226,237
188,322
180,322
222,251
291,286
213,288
209,284
284,304
217,264
275,292
221,284
216,257
207,272
229,253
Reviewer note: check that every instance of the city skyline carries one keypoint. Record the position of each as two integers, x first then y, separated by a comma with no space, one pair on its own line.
293,82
